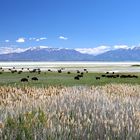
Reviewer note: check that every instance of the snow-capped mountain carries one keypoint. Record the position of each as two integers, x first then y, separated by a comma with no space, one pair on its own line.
44,53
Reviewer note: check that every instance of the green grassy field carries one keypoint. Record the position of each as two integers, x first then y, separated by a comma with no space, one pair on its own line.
56,79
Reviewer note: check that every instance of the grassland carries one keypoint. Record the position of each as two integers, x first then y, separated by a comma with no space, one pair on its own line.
85,112
58,107
57,79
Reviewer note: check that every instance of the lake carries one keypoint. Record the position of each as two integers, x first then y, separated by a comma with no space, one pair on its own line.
76,65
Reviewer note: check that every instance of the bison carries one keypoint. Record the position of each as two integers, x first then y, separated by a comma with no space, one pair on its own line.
68,72
24,80
34,78
59,71
77,78
97,78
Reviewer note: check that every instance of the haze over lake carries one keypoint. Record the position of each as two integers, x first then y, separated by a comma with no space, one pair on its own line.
74,65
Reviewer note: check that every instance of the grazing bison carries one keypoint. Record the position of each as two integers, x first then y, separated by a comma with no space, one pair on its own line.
13,71
135,76
68,72
77,78
80,75
49,70
78,71
98,78
34,78
59,71
24,80
103,75
19,72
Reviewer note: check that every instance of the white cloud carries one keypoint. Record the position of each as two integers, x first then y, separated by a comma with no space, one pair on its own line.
94,51
6,50
7,40
63,38
37,39
41,38
121,47
20,40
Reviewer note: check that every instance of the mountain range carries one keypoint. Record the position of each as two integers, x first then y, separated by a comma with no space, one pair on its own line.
61,54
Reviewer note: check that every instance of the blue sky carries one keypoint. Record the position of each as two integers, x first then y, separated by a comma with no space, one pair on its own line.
69,23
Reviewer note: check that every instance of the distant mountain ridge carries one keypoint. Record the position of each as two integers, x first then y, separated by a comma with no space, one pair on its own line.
61,54
46,54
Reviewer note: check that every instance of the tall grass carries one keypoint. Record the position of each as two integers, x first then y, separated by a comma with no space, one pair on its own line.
103,112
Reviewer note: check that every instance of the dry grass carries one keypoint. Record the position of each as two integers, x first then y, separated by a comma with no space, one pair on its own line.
102,112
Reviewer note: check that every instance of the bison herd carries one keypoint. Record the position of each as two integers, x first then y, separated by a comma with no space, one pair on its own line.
79,74
113,75
27,79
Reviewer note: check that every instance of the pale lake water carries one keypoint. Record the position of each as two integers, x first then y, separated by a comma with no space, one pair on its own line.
72,66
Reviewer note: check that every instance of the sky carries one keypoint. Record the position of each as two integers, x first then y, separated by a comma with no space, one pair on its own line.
69,23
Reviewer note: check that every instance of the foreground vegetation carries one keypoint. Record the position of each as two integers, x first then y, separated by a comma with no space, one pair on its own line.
79,112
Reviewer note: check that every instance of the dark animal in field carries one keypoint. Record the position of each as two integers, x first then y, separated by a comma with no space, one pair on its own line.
113,72
111,76
34,78
78,71
107,72
33,71
28,76
19,72
0,72
39,71
124,76
80,75
68,72
13,71
59,71
1,68
128,76
77,78
28,69
13,67
103,75
135,76
97,78
49,70
24,80
85,69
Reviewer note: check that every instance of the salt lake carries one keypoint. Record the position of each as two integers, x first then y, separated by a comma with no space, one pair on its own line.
75,65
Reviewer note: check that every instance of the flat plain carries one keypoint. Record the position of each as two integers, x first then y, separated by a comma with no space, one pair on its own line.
51,104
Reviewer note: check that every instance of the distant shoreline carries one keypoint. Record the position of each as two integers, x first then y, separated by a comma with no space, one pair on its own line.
92,66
